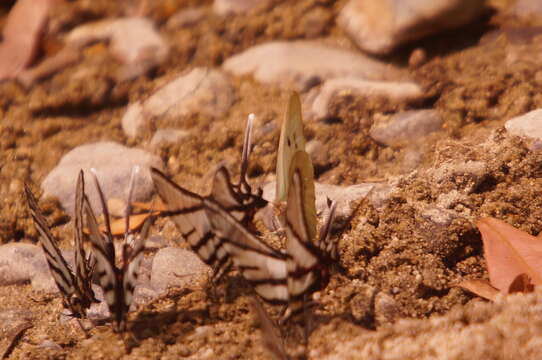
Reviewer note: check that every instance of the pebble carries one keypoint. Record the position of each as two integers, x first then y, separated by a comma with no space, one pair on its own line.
168,136
202,91
394,91
401,21
345,196
113,163
528,9
318,153
231,7
20,263
175,267
134,41
185,17
299,65
528,125
405,127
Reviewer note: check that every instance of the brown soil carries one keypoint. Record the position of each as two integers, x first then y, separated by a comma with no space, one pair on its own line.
401,260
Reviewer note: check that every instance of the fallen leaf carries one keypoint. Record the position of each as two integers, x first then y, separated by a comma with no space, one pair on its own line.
510,252
118,226
481,288
22,33
155,205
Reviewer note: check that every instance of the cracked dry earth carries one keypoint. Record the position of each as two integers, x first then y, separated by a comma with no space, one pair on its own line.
403,250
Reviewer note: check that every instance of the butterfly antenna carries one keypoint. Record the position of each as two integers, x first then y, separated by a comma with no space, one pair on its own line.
247,148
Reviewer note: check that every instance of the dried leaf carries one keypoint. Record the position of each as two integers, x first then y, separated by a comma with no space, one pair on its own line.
155,205
22,34
510,252
118,226
481,288
522,283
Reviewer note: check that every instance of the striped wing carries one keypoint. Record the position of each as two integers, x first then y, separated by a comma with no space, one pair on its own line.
83,265
186,210
260,264
325,243
64,278
291,140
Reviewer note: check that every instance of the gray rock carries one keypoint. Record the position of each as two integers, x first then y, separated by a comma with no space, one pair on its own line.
318,153
401,21
229,7
185,17
168,136
133,40
345,196
113,163
394,91
406,127
202,91
299,64
528,125
174,267
20,263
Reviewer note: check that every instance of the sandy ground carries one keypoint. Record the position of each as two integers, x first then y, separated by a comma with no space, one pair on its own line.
402,260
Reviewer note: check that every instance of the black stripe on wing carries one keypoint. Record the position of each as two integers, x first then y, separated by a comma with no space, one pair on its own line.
60,270
260,265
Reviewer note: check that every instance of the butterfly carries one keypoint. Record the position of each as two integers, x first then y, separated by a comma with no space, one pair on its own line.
118,283
75,287
187,211
309,258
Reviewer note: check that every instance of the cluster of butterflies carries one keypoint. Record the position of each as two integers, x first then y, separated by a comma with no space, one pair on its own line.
219,228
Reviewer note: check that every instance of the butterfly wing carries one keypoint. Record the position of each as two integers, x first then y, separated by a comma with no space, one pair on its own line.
261,265
291,140
186,210
325,243
61,272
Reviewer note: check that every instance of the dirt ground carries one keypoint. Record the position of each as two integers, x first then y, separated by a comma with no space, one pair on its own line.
401,259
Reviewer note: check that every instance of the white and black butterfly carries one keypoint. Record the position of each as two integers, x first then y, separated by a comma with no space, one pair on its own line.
118,283
186,209
309,259
75,286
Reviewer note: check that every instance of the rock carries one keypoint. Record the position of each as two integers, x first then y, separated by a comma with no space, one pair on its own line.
394,91
417,58
527,125
528,9
464,175
378,27
318,153
113,163
299,64
230,7
406,127
168,137
133,122
345,196
185,17
202,91
133,40
20,263
174,267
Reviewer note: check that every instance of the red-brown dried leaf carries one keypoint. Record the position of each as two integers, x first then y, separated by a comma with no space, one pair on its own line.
481,288
510,252
22,34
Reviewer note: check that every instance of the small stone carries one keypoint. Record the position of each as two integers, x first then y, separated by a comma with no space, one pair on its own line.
386,309
202,91
528,10
133,40
345,196
168,137
394,91
378,27
155,242
230,7
318,153
299,65
417,58
133,122
406,127
528,125
174,267
113,163
20,263
185,17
